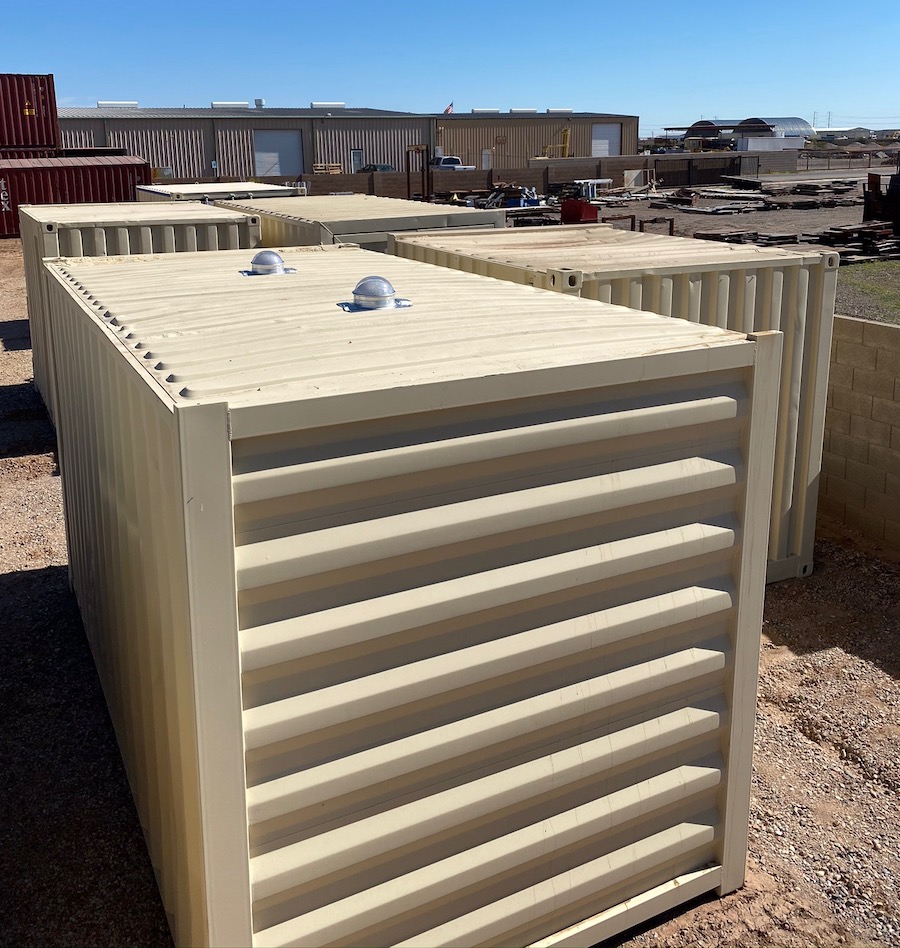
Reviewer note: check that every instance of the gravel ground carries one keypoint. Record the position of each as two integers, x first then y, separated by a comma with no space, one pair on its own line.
824,864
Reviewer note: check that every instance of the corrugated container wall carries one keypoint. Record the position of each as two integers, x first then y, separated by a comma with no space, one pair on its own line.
28,116
430,625
66,181
362,219
100,230
747,289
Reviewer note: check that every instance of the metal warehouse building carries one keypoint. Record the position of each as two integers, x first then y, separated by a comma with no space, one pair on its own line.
236,141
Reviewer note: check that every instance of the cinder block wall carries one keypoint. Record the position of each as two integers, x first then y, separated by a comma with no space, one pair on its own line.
861,461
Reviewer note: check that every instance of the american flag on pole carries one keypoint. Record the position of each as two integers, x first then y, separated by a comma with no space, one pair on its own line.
449,109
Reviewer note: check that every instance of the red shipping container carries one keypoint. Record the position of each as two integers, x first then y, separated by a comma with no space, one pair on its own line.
28,115
66,181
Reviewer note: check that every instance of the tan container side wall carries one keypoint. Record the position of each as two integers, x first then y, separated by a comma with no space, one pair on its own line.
73,241
383,773
799,301
861,462
126,535
278,231
796,299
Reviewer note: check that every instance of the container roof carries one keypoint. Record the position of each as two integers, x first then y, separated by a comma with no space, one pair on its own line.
224,189
597,249
132,212
204,332
87,162
332,208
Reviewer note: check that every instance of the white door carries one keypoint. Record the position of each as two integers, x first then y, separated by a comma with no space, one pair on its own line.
606,140
277,152
487,159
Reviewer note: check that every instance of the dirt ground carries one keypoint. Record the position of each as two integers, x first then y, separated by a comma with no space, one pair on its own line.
824,865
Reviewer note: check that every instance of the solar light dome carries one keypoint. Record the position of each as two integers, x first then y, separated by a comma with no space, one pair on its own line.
374,292
267,261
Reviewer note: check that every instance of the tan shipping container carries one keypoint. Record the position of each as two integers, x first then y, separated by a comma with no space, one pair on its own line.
101,230
743,288
214,191
362,219
427,625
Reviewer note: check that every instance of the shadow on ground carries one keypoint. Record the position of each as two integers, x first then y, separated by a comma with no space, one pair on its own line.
851,602
15,334
74,868
25,427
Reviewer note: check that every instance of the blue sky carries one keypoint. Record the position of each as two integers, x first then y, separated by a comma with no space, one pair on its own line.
717,60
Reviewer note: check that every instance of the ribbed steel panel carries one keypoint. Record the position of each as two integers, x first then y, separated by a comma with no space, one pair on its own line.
100,230
65,181
744,288
355,218
447,616
28,117
214,191
515,140
81,137
234,147
381,142
176,145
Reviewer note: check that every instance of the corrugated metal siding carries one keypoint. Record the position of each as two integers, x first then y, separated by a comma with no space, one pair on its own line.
330,138
381,142
28,116
86,134
118,445
746,289
514,141
481,663
100,230
65,181
178,146
234,145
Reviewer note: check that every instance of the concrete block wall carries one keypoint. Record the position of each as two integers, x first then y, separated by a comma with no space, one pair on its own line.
861,461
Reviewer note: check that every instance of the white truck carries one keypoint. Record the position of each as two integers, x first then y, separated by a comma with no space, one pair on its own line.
450,163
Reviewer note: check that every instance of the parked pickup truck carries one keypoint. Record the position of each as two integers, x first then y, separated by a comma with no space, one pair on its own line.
450,163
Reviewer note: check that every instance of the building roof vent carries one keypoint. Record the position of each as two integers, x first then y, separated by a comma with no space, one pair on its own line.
116,104
559,111
485,111
328,105
259,103
523,111
230,105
